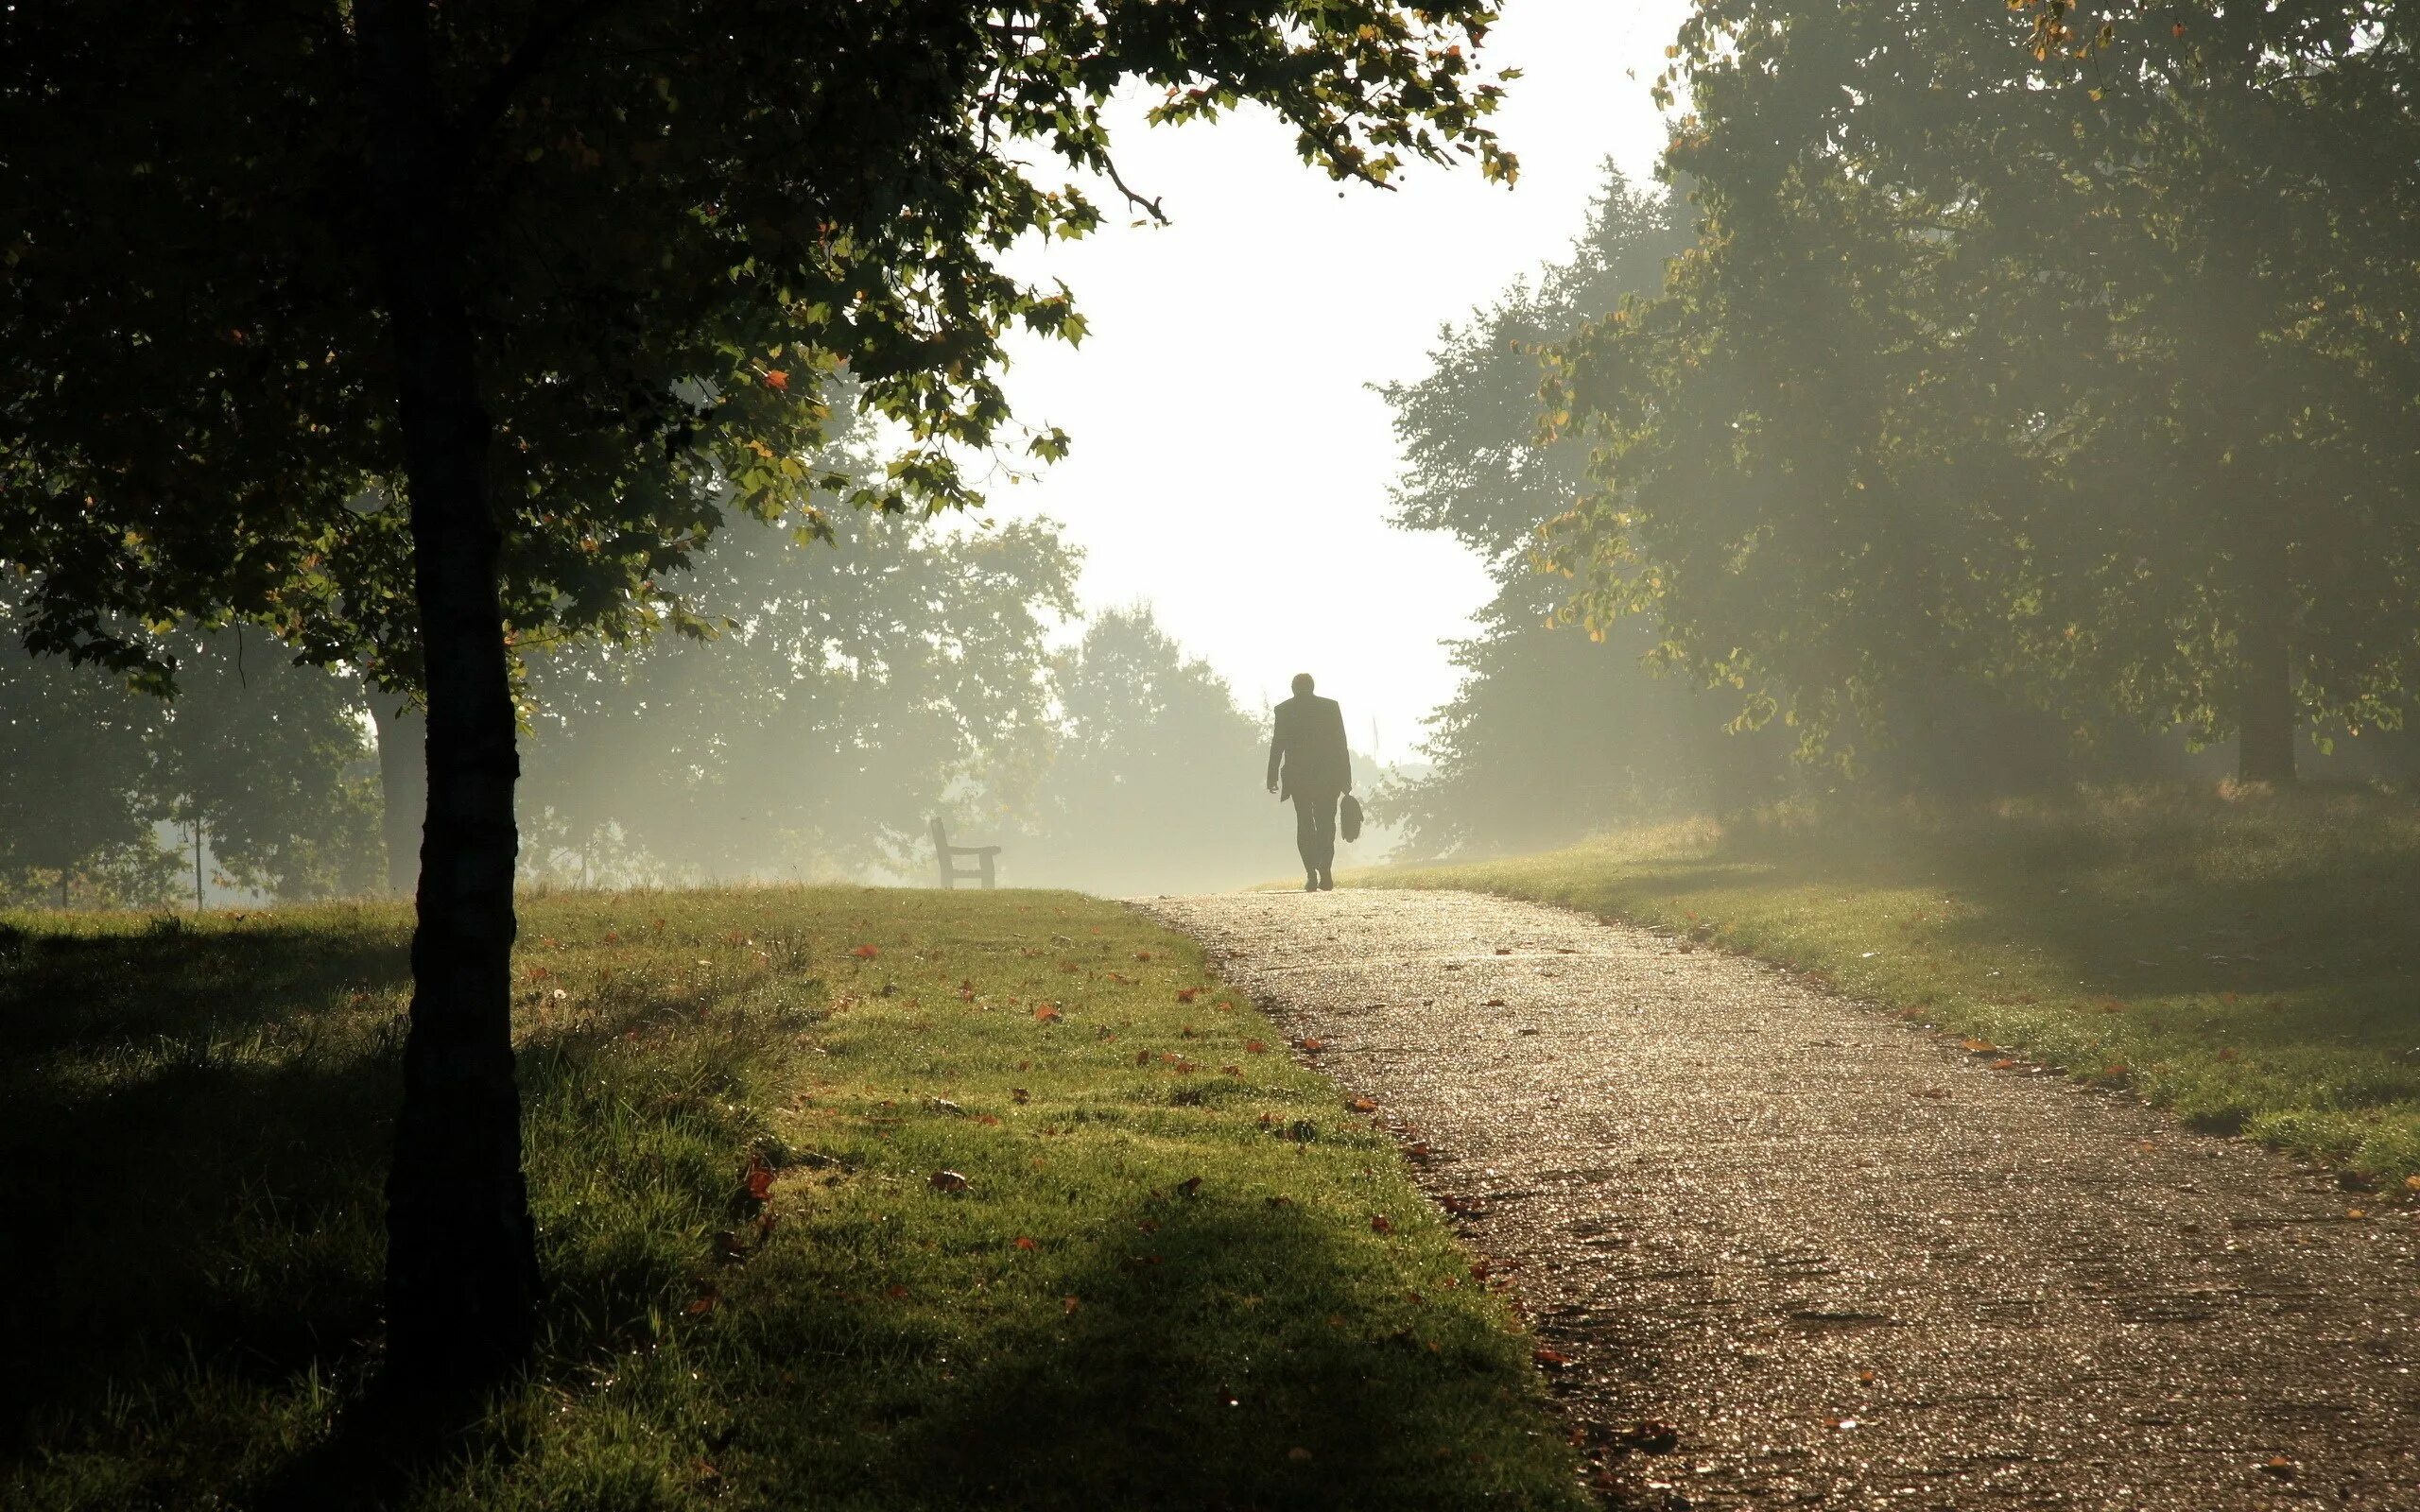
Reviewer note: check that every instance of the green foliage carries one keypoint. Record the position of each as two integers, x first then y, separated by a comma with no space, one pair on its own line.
859,1340
2240,959
1550,733
2078,374
75,749
272,757
853,690
682,220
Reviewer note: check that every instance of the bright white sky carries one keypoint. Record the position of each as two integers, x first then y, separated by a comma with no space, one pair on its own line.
1230,466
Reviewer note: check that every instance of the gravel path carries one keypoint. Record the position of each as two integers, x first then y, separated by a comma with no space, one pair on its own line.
1802,1254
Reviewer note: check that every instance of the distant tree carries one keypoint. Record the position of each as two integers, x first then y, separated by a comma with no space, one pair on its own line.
272,760
1157,772
76,825
2081,386
407,329
1550,733
857,692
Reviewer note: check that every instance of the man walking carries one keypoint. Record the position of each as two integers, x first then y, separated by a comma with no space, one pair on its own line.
1308,763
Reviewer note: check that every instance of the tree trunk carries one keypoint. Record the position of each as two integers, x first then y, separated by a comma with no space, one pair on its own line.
2265,697
461,1252
403,786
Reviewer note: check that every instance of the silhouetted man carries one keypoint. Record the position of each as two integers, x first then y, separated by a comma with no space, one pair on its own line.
1308,763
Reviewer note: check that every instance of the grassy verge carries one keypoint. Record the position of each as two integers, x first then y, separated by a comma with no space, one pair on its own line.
2247,960
1165,1267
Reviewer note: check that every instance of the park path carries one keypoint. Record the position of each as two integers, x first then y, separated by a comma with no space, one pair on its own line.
1847,1264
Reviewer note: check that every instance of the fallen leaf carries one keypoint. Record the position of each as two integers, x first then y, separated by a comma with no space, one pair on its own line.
1380,1223
1019,1095
1049,1013
1299,1454
1068,1304
865,952
1493,1002
1550,1359
897,1292
1025,1243
1190,1187
949,1181
1254,1047
1186,994
777,379
759,1179
1363,1105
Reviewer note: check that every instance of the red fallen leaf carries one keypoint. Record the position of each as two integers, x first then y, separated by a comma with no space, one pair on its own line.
1231,1070
1380,1223
1550,1359
1142,1058
703,1305
1224,1006
1025,1243
1142,955
865,952
986,1120
2275,1463
1186,994
777,379
2003,1064
895,1292
1070,1304
1254,1047
1018,1094
759,1178
1418,1153
705,1470
1979,1047
1363,1105
1493,1002
1310,1047
1049,1013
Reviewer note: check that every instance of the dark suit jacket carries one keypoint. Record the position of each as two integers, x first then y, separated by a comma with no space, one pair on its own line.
1309,748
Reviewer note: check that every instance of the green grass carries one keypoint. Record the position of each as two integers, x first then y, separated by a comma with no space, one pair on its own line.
2248,960
1162,1284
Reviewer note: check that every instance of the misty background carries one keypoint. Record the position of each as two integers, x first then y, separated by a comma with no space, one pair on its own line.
1307,437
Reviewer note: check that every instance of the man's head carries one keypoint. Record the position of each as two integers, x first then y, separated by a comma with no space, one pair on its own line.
1302,685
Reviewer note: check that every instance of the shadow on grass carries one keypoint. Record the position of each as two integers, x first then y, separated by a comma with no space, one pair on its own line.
1216,1362
195,1126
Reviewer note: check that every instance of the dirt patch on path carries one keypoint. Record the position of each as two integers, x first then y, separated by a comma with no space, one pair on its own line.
1850,1265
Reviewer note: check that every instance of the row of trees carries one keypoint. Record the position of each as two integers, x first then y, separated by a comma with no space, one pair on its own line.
2061,355
849,696
264,764
2002,395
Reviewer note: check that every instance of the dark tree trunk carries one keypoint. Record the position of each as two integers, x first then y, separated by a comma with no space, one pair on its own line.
461,1252
2265,739
403,786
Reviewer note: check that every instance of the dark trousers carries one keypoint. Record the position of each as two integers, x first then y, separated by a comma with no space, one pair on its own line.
1315,830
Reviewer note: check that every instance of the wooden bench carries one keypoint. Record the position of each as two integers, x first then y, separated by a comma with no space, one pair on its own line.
944,851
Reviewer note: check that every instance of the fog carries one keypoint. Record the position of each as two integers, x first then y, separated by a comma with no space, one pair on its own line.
1816,442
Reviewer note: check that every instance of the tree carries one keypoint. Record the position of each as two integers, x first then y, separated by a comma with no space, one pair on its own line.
2081,386
269,758
856,692
413,330
73,816
1550,732
1155,771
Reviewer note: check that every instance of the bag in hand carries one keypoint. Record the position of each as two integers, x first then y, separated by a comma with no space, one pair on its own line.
1348,817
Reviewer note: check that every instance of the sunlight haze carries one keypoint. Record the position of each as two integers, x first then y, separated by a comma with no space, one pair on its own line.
1231,465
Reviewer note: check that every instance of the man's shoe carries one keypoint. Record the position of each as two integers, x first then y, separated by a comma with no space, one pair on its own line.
1328,882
